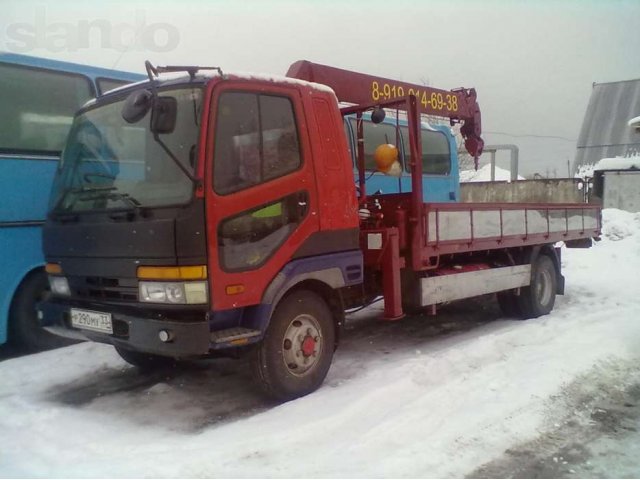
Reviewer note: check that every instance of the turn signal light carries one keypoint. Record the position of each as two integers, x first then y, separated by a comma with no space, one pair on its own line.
196,272
53,268
234,289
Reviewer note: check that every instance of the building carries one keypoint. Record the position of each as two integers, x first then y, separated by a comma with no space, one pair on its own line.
606,132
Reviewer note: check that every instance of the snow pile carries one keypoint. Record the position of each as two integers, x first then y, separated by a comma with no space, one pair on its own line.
619,224
423,397
619,163
483,174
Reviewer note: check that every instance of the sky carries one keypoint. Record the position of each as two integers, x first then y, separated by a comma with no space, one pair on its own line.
532,63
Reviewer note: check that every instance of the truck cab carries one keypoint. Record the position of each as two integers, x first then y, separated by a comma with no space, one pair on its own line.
183,210
440,177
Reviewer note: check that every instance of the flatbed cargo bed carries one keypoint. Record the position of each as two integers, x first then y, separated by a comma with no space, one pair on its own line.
449,228
453,228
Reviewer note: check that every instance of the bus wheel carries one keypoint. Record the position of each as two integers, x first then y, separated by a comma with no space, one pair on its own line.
145,361
295,355
25,331
539,297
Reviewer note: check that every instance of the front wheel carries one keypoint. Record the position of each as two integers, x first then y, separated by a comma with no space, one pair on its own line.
295,355
539,297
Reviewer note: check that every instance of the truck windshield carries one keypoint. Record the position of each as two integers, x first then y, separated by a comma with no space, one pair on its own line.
109,164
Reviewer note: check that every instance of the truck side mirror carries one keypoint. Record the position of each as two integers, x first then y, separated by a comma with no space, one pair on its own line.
136,106
164,114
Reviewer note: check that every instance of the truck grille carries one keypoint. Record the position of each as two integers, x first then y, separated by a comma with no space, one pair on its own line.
103,288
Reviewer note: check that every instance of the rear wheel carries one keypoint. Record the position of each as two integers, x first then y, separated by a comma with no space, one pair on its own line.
539,297
25,331
295,355
145,361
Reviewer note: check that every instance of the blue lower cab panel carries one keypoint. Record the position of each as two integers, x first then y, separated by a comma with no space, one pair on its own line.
336,270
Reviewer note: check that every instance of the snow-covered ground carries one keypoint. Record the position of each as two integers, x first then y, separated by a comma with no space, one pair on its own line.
424,397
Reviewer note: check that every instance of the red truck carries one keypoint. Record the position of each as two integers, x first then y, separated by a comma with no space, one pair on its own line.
204,213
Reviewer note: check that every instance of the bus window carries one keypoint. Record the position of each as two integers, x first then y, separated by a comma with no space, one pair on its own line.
374,135
106,84
436,153
38,107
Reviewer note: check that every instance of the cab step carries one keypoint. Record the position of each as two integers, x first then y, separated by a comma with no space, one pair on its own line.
233,334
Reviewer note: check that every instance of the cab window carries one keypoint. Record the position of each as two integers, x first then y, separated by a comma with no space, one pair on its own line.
436,153
256,141
374,136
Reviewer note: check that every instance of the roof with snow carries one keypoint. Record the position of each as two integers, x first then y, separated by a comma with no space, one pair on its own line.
606,130
619,163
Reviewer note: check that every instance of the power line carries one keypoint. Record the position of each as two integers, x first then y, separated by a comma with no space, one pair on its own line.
534,136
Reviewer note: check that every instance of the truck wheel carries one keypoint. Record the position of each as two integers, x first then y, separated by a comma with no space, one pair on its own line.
295,355
25,331
539,297
145,361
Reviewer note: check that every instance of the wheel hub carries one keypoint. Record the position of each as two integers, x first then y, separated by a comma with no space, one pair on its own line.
308,346
543,290
302,345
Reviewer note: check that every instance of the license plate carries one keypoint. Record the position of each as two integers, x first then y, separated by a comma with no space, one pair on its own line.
90,320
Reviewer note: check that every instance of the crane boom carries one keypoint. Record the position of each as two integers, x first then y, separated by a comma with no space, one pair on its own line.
459,105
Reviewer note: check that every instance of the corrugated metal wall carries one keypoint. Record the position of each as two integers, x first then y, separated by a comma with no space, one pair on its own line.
605,132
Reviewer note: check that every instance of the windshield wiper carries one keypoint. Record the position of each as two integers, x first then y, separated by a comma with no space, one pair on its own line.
175,159
103,192
97,188
79,190
110,195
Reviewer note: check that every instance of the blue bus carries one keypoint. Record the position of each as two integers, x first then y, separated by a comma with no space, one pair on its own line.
440,179
38,98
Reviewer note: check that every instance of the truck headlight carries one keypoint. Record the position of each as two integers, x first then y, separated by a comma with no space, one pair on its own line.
59,285
173,292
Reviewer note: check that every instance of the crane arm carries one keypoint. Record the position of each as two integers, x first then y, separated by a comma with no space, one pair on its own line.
459,105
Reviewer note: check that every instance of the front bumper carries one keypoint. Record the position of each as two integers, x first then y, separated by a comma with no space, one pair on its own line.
132,329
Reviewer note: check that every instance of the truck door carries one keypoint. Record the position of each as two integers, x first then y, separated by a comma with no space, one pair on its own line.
261,196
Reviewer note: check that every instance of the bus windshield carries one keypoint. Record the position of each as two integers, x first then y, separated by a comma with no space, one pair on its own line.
109,164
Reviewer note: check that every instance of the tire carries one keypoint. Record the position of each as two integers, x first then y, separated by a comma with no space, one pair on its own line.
145,361
295,355
25,332
539,297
